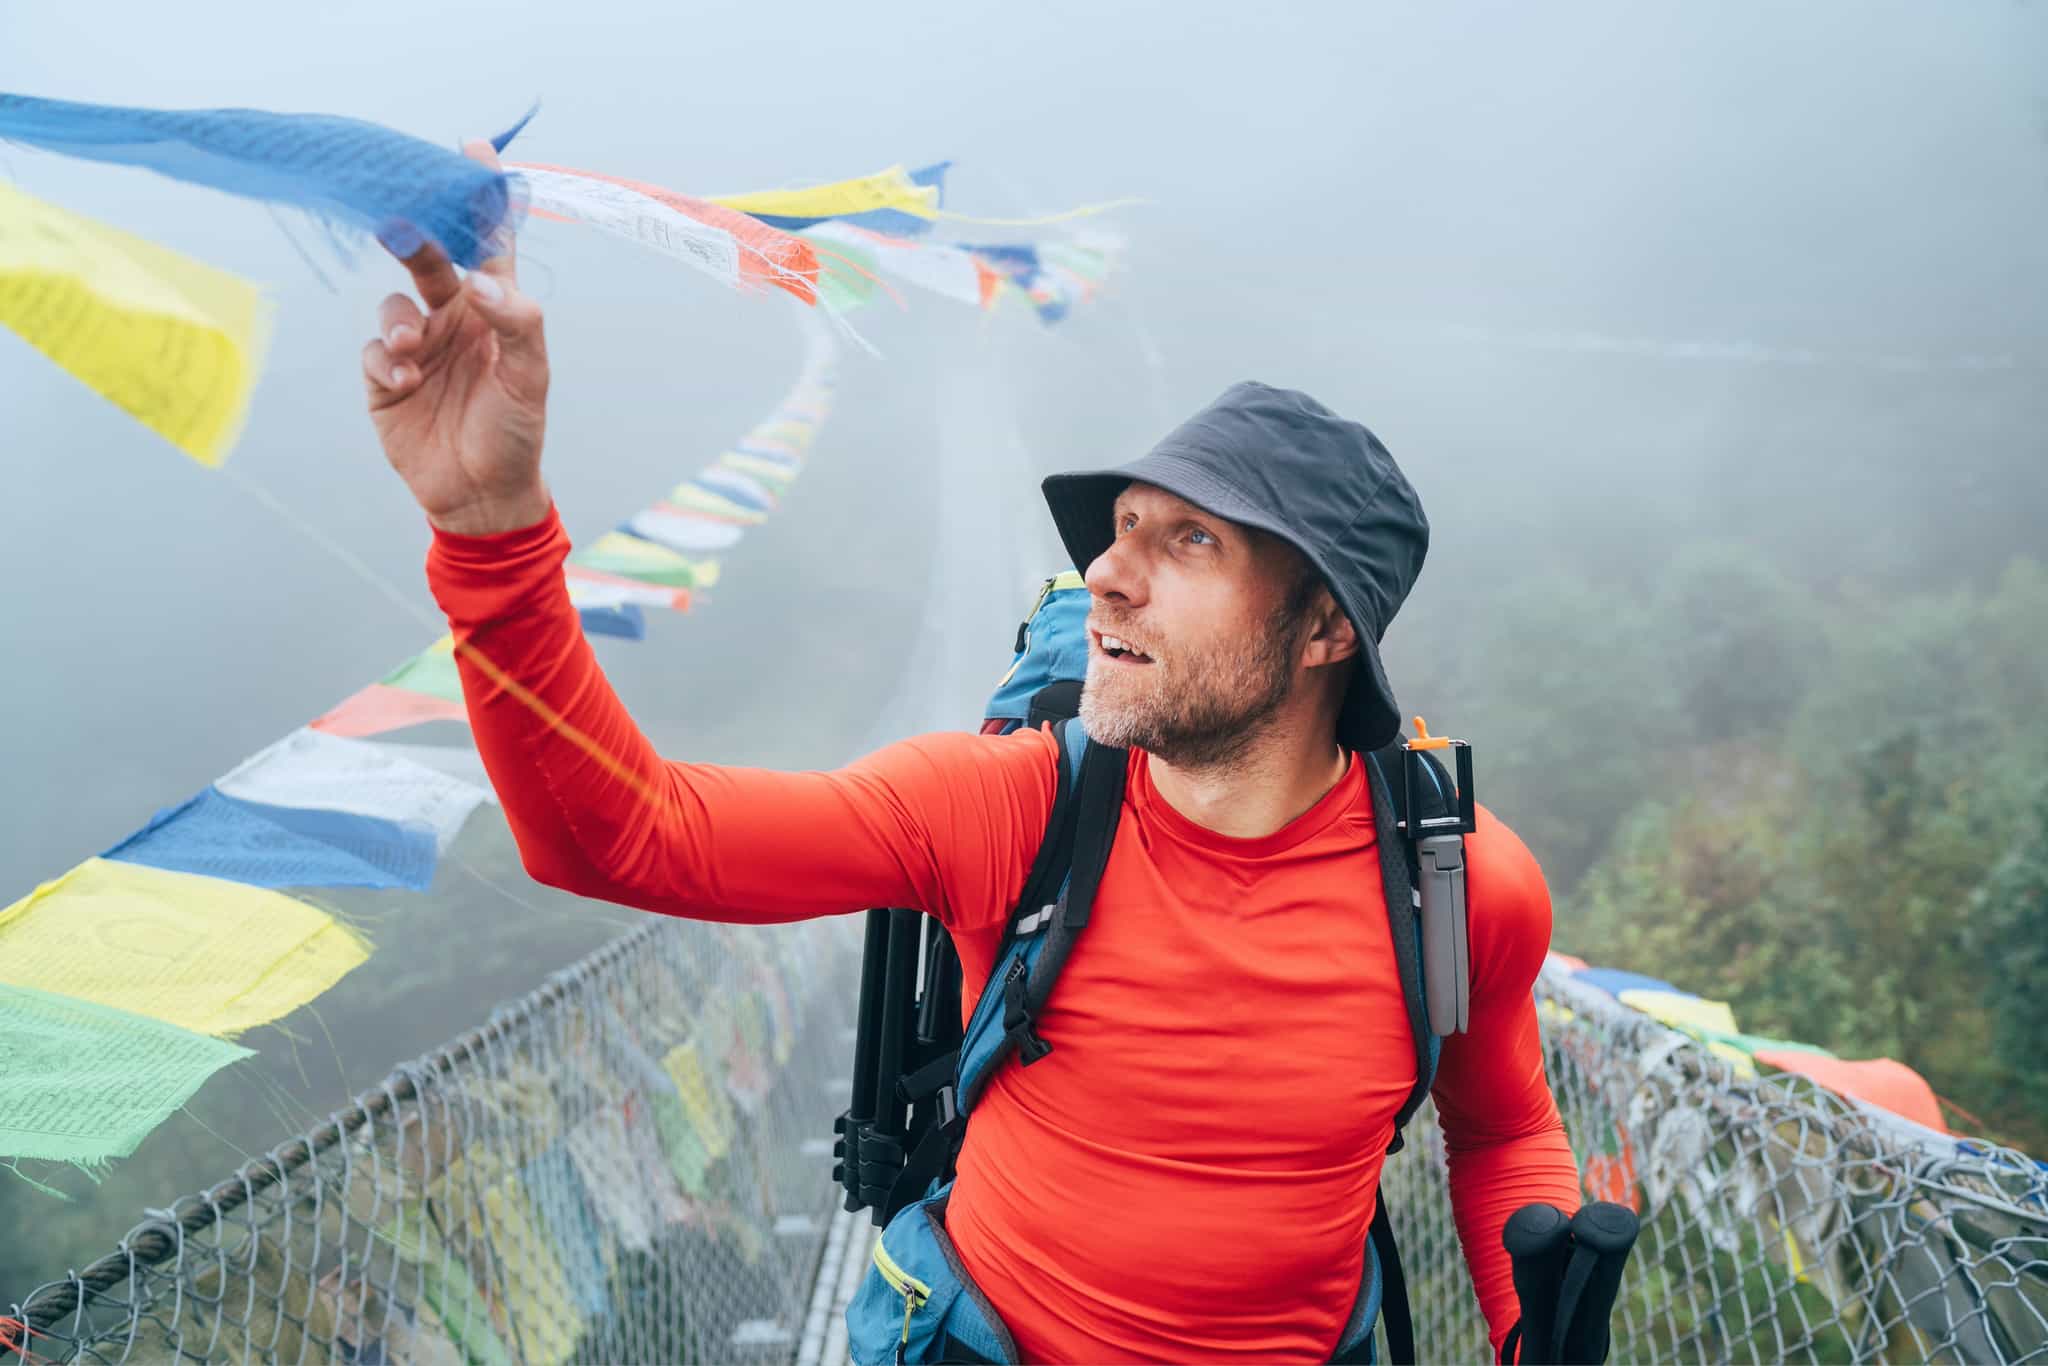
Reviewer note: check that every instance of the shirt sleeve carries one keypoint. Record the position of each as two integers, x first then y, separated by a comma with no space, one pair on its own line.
944,823
1505,1141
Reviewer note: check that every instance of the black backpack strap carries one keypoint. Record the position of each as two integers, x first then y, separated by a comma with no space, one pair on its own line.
1397,874
1087,804
935,1151
934,1084
1057,701
1098,806
1393,1289
1399,869
1055,852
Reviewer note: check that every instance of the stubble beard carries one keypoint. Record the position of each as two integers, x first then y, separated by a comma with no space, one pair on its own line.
1193,714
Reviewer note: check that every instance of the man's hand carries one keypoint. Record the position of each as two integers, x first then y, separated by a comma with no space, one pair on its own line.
459,395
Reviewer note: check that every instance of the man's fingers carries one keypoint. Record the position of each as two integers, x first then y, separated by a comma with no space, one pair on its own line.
516,318
401,324
505,265
387,378
433,275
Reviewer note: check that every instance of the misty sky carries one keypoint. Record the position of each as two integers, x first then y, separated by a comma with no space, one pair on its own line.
1401,209
1570,262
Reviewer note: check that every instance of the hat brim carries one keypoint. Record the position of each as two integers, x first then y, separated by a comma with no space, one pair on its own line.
1082,502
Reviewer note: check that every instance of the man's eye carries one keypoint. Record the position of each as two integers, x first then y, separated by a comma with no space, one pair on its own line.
1197,536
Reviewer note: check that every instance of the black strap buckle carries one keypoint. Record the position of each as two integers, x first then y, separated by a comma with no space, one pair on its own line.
930,1164
1018,1026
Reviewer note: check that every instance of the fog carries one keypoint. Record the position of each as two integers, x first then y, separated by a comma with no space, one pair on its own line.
1603,277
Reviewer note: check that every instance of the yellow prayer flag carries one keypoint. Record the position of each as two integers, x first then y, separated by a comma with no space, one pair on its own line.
518,1271
798,434
890,189
700,499
1681,1012
704,1099
171,341
1697,1016
622,554
776,476
210,955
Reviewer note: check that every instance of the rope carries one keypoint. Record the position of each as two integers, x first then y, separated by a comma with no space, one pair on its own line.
151,1243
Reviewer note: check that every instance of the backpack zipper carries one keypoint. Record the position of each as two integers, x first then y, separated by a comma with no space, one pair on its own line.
1024,626
1069,579
916,1294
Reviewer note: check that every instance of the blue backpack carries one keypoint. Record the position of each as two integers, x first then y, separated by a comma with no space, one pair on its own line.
918,1071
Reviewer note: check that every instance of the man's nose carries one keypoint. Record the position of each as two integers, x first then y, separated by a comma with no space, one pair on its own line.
1117,574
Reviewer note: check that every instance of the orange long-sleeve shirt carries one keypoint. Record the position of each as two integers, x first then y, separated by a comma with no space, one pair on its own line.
1190,1174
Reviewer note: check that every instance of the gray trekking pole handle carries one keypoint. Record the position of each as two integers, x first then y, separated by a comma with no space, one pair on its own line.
1446,946
1439,843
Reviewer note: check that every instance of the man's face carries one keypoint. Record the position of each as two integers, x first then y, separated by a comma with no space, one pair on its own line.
1195,632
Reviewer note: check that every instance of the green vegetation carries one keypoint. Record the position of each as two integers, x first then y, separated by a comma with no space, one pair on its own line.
1825,805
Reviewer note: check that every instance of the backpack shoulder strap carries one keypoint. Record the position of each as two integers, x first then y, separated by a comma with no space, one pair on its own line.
1383,1289
1056,851
951,1082
1394,1307
1397,874
1059,895
1423,814
1098,806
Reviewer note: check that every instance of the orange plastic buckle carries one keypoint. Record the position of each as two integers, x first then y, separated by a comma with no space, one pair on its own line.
1424,740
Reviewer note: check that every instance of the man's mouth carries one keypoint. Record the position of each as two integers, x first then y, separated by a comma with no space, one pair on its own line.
1120,649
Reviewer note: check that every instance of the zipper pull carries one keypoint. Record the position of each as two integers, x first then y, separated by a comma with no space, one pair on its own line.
1017,1021
909,1307
1024,626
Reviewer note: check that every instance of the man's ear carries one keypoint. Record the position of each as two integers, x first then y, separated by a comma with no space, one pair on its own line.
1331,636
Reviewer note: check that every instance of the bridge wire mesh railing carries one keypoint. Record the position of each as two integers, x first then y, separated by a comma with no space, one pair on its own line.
1781,1222
629,1164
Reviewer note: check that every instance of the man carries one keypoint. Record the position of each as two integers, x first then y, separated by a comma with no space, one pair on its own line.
1191,1174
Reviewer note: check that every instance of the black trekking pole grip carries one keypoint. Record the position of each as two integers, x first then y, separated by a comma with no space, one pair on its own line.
1605,1232
1538,1241
867,1042
860,1111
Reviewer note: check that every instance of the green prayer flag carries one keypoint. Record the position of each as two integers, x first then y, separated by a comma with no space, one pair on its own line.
1752,1044
642,560
846,275
86,1083
626,569
432,673
687,1155
1088,264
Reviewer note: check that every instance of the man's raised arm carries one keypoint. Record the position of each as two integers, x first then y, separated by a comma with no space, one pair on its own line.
947,823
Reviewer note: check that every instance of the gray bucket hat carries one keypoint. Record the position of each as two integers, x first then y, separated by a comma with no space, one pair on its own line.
1278,460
